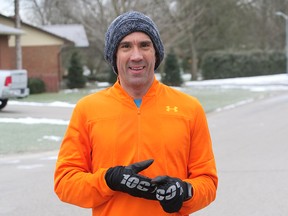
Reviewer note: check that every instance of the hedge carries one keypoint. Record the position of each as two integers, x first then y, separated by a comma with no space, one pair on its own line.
218,65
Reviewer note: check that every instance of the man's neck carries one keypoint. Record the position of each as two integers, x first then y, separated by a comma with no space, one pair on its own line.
137,92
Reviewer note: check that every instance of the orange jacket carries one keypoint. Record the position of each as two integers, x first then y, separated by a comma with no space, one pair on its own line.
107,129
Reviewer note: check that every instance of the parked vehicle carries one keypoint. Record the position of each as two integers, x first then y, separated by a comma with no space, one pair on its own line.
13,84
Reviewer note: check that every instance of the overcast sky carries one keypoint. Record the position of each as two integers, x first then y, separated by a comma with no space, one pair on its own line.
7,8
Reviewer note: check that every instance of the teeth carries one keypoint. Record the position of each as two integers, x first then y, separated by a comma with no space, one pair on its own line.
136,68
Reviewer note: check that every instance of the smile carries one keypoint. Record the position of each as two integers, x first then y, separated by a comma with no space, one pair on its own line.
136,68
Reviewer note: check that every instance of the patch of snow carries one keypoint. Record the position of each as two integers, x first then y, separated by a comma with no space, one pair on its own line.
50,158
274,80
29,120
52,104
240,103
32,166
51,138
103,84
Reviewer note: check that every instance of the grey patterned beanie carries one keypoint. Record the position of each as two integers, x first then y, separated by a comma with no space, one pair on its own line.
125,24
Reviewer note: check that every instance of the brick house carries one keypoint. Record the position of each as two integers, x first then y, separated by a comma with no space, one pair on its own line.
41,51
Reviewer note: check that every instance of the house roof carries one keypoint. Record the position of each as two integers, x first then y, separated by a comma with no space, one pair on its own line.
72,32
7,30
11,19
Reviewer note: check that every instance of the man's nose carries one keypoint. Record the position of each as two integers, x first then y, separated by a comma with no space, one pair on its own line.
136,54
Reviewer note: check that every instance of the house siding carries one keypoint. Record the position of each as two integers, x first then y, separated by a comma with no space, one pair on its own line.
43,63
5,53
41,53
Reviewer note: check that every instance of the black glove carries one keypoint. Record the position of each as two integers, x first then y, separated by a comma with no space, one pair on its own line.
171,192
126,179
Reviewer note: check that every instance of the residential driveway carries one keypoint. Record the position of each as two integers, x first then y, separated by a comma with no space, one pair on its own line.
250,144
251,149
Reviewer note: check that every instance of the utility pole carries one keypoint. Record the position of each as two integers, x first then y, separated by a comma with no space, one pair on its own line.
17,37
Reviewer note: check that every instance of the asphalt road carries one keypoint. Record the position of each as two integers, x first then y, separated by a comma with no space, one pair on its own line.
250,145
251,149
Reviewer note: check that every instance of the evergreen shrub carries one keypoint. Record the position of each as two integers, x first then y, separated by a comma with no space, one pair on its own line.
36,85
75,78
172,74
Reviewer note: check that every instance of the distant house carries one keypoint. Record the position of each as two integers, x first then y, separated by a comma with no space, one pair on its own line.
72,32
41,51
5,51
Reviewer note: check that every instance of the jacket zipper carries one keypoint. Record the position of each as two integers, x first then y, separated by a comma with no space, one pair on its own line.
138,131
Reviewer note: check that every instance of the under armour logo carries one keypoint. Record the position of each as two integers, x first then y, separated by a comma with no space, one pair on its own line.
168,108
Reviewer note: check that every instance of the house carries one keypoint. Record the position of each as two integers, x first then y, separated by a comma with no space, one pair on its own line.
72,32
41,51
5,51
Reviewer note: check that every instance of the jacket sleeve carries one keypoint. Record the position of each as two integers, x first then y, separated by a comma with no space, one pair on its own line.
74,181
202,174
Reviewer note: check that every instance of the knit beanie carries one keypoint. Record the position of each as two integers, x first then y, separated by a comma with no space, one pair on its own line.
128,23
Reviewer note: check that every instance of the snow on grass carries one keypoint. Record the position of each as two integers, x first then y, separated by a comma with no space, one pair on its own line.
240,103
265,83
52,104
51,138
29,120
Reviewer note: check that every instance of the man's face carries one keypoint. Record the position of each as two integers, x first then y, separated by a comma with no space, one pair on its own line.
135,59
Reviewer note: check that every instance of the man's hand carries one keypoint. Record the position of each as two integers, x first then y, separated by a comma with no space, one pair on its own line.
127,180
171,192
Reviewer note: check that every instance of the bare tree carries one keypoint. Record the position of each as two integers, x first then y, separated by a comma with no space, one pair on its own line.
191,27
177,22
267,26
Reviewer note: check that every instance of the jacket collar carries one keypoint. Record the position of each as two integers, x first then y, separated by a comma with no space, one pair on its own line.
117,88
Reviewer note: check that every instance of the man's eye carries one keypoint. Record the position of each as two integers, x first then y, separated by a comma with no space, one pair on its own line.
125,46
146,45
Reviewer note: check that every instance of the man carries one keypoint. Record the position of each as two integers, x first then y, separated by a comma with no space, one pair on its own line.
138,147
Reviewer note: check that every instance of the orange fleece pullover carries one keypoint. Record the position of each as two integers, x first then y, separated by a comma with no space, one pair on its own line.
107,129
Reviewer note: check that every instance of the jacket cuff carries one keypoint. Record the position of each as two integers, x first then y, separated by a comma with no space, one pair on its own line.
99,178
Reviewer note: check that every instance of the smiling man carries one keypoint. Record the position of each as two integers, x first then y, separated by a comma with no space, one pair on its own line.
135,63
138,147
